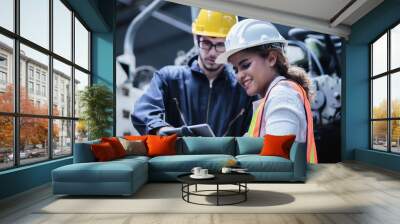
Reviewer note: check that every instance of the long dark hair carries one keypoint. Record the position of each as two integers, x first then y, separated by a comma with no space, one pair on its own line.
283,67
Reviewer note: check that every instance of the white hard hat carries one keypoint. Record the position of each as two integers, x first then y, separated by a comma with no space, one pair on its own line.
249,33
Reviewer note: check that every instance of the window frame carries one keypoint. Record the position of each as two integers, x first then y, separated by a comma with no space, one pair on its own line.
3,72
15,68
388,74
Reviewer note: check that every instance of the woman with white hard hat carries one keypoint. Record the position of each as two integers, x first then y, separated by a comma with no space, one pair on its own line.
256,51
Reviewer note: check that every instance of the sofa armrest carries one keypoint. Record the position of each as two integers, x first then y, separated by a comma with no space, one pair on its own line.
298,155
83,152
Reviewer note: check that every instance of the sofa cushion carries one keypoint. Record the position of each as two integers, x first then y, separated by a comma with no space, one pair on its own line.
257,163
103,152
83,152
277,145
134,147
208,145
248,145
111,171
116,145
132,159
185,163
118,177
161,145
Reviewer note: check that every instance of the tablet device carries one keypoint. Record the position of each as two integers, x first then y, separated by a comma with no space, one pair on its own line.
201,130
171,131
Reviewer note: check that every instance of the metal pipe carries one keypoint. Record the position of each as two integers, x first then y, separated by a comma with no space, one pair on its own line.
129,40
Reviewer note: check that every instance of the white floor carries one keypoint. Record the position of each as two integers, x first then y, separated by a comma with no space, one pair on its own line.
377,189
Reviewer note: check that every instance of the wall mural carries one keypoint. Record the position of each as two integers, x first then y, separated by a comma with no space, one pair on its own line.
319,55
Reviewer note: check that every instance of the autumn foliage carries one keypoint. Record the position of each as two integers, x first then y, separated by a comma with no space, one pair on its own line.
380,127
33,131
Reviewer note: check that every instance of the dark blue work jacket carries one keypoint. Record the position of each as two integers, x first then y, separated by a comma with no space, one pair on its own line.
223,104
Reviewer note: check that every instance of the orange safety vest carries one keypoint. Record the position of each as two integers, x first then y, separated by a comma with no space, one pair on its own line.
255,125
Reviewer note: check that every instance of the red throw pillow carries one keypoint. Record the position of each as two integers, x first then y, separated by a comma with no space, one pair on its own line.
277,145
103,152
116,145
161,145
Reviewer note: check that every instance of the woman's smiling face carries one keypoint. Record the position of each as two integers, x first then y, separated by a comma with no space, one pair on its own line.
254,72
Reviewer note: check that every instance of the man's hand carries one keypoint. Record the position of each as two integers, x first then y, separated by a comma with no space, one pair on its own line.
165,130
186,131
168,130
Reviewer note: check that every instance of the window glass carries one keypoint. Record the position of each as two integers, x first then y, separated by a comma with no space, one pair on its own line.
62,91
7,14
395,95
34,21
81,131
34,143
39,62
382,138
395,47
379,56
81,45
6,142
62,138
62,29
30,87
81,81
379,98
379,135
395,136
35,92
6,74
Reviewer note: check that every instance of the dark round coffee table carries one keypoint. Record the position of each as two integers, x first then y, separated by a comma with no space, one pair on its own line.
238,179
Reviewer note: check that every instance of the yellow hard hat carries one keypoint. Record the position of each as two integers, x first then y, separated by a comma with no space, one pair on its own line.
213,24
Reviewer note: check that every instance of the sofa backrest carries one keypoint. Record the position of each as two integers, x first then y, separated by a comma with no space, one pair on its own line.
206,145
249,145
83,152
195,145
296,147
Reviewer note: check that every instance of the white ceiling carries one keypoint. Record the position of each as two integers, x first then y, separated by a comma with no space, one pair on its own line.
326,16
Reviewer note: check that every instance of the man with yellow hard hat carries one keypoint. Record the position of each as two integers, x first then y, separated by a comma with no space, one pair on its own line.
202,92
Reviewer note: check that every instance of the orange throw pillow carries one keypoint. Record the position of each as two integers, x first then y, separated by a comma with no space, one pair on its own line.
136,137
116,145
277,145
103,152
161,145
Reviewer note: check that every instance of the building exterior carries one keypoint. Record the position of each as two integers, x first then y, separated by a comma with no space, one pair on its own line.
34,80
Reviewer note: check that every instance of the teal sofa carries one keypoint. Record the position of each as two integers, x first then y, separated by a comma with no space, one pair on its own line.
125,176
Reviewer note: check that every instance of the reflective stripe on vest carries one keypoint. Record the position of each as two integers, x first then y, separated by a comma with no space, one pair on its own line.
256,121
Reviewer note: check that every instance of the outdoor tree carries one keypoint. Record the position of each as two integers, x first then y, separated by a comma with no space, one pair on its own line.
395,123
380,127
6,122
33,131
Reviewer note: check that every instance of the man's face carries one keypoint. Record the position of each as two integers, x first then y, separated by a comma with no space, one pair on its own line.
208,55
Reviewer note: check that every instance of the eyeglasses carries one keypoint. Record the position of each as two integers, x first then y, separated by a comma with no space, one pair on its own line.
207,45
